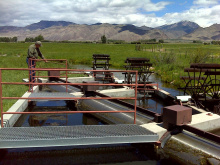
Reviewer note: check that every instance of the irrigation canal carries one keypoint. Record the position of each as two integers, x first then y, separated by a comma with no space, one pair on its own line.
137,154
150,103
101,154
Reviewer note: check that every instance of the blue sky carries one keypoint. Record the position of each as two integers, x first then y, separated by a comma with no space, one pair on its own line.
151,13
174,6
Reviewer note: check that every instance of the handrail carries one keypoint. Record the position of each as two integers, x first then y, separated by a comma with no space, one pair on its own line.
69,98
32,64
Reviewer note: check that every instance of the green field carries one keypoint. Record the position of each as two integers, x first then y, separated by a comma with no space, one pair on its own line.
169,60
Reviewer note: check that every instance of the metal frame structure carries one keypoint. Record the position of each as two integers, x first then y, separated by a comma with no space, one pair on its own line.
203,84
31,84
143,67
102,61
32,73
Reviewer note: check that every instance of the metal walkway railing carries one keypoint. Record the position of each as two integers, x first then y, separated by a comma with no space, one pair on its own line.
66,96
28,137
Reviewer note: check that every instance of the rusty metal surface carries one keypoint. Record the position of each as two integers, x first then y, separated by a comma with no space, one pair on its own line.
212,73
1,101
54,73
176,115
137,59
195,70
71,112
100,55
66,98
141,64
87,88
192,78
205,66
60,69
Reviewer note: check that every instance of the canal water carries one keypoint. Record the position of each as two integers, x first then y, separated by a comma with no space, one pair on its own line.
123,154
54,119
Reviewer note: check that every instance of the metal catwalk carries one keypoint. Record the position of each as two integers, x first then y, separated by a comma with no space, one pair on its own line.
28,137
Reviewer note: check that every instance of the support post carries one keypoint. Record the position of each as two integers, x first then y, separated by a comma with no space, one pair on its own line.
29,73
66,77
1,104
135,101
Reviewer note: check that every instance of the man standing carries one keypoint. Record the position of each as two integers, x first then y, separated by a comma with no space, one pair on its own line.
33,53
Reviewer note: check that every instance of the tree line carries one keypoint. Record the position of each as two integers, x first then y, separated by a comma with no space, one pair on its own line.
103,40
215,42
8,39
150,41
32,39
27,39
207,43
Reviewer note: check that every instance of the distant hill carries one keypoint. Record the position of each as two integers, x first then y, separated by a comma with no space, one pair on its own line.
47,24
177,30
68,31
205,34
136,30
61,30
7,29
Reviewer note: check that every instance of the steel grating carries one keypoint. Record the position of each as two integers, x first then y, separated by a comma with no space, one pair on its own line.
58,95
27,137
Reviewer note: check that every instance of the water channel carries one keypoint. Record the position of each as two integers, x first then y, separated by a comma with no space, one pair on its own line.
150,103
105,154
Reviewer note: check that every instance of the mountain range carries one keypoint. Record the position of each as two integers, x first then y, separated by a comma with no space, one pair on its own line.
68,31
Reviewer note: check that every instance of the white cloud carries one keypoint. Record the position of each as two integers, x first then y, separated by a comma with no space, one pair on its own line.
19,13
155,7
205,2
205,16
122,3
79,11
137,12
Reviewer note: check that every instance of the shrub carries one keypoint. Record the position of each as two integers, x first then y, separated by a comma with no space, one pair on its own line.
166,58
199,56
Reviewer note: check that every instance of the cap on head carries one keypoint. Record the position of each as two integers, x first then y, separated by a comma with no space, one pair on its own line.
38,43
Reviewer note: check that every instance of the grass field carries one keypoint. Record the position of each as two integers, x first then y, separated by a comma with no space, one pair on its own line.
169,60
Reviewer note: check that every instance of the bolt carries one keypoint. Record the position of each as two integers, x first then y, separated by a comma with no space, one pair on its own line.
209,114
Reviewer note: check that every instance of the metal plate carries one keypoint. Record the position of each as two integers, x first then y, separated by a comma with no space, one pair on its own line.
58,95
26,137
